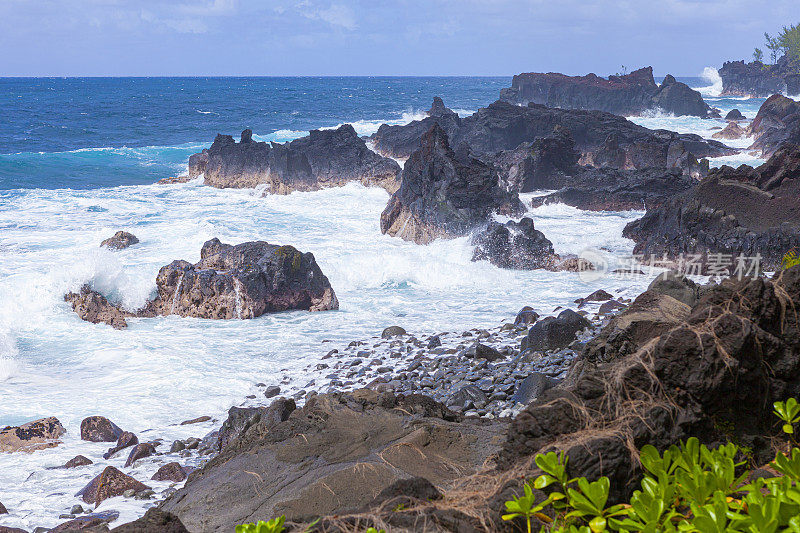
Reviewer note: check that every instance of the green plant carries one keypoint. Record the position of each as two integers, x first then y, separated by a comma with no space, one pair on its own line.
272,526
688,488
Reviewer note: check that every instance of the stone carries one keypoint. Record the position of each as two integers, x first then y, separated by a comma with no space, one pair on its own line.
241,418
272,391
99,429
554,333
3,509
93,307
610,307
197,420
516,245
405,492
526,317
468,396
78,460
177,446
170,472
758,80
140,451
482,351
777,123
731,132
532,387
120,240
734,115
125,440
153,521
31,436
675,284
392,331
110,483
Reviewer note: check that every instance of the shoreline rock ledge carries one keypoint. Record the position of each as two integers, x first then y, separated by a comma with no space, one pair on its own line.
230,281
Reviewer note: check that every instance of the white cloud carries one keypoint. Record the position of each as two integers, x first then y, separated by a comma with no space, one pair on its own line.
336,15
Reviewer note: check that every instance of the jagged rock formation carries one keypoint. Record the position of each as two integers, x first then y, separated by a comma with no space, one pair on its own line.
400,141
603,139
732,211
516,245
777,122
120,240
31,436
230,281
324,158
442,195
757,80
631,94
546,163
730,132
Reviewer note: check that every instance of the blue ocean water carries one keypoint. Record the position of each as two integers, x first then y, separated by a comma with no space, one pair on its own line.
93,132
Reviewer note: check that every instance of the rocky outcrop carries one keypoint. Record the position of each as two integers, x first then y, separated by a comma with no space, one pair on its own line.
243,281
337,454
230,281
401,140
120,240
603,139
735,115
631,94
153,521
731,132
93,307
554,333
110,483
170,472
546,163
443,195
609,189
517,245
100,429
31,436
324,158
757,80
777,123
742,211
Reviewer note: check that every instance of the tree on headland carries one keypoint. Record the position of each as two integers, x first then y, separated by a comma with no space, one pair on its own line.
758,55
787,42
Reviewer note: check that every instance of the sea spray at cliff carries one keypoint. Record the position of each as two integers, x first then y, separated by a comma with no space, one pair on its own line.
711,76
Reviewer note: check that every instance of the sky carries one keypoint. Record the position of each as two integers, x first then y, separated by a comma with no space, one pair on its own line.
378,37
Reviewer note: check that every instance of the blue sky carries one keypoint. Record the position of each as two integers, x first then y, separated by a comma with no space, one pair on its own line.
377,37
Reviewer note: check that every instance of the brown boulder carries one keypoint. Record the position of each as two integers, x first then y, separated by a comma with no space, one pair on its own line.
78,460
140,451
153,521
120,240
93,307
5,529
31,436
170,472
99,429
3,509
125,440
731,131
111,482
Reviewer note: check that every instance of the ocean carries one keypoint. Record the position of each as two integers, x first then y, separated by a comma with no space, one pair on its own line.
78,161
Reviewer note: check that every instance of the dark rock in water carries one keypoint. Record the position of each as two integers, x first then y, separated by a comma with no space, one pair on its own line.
554,333
93,307
526,316
777,123
153,521
392,331
482,351
443,196
94,523
3,509
402,141
735,114
608,189
78,460
198,420
324,158
742,211
517,245
532,387
675,284
336,454
597,296
31,436
120,240
111,482
434,342
272,391
651,314
241,418
545,163
99,429
170,472
468,397
610,307
731,132
715,376
406,492
757,80
125,440
630,94
140,451
6,529
243,281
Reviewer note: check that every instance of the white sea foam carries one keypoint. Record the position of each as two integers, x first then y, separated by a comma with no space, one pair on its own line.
711,75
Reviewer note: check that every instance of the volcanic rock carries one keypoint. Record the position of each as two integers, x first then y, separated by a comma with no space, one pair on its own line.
110,483
120,240
93,307
402,141
125,440
735,115
78,460
732,131
554,333
777,122
757,80
99,429
170,472
153,521
516,245
31,436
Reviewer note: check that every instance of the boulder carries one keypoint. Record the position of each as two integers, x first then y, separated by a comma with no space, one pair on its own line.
526,316
3,509
31,436
482,351
735,212
336,454
444,196
516,245
86,524
392,331
120,240
734,115
597,296
731,132
629,94
675,284
401,141
777,123
99,429
554,333
125,440
170,472
324,158
757,80
140,451
78,460
93,307
243,281
532,387
468,397
153,521
110,483
406,492
545,163
6,529
241,418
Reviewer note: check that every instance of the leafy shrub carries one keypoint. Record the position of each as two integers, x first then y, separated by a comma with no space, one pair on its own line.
273,526
688,488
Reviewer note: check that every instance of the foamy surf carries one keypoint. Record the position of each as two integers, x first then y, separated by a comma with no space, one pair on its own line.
711,75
